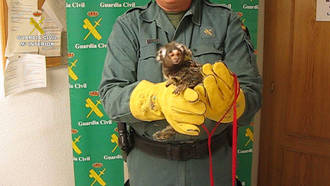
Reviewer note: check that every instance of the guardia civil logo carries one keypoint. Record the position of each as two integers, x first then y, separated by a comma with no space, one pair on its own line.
114,140
92,27
37,24
72,74
97,177
93,108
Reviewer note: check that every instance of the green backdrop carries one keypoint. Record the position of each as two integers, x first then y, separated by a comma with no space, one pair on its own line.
96,155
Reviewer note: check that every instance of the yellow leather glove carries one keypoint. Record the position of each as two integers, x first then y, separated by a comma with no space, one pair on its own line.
217,92
154,101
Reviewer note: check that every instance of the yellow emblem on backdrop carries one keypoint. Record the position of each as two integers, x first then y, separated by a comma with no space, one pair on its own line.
114,139
97,177
71,73
94,108
249,134
92,28
74,145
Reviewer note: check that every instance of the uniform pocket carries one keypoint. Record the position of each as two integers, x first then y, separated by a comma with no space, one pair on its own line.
148,51
148,68
207,54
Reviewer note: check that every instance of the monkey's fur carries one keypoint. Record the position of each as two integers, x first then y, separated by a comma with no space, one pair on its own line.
178,67
180,70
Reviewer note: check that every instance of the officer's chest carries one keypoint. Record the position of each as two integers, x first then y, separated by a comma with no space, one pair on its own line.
205,41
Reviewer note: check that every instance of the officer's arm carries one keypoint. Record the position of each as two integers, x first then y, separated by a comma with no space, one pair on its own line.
240,59
119,73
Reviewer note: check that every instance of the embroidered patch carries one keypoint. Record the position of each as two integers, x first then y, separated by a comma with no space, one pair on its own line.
207,32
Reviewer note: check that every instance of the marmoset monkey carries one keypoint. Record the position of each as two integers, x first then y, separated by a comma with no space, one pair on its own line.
178,67
180,70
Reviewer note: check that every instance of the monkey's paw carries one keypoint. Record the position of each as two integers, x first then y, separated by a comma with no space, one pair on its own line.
164,134
179,89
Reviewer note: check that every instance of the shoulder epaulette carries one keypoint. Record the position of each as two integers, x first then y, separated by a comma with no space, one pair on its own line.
138,8
216,5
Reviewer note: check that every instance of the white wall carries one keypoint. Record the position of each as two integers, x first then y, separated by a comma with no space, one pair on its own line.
35,135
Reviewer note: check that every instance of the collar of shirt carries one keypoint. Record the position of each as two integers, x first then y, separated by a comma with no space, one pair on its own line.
155,13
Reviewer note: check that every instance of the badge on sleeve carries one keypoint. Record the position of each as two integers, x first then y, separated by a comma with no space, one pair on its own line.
244,28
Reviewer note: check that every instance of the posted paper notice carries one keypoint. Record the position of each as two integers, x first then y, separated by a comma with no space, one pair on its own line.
24,72
20,29
323,10
31,31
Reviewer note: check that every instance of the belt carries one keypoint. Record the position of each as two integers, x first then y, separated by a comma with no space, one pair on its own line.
181,151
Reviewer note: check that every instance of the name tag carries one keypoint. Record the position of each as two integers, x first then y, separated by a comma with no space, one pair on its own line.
149,41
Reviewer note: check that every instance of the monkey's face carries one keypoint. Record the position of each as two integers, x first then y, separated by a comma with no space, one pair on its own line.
173,54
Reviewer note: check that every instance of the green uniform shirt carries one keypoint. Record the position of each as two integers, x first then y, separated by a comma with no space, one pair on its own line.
213,33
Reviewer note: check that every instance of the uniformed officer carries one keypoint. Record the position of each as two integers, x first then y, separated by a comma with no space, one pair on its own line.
133,89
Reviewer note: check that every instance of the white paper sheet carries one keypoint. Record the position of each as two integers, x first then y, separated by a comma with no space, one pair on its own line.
56,10
50,42
33,31
20,29
24,72
323,10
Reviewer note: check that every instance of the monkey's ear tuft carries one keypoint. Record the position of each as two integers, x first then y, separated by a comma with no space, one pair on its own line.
181,47
186,51
161,54
158,58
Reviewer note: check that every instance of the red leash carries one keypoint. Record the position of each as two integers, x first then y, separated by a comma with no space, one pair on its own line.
234,144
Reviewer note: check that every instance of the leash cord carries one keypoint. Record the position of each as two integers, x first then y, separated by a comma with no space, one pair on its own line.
234,141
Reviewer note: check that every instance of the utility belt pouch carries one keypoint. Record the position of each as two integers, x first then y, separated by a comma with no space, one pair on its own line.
126,139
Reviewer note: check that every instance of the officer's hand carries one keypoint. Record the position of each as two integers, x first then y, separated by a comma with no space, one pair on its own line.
217,92
154,101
